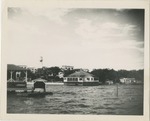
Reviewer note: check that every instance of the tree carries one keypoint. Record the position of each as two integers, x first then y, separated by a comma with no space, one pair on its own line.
110,74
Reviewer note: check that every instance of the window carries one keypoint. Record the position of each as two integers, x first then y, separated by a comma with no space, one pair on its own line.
88,79
80,79
18,74
96,79
72,79
76,79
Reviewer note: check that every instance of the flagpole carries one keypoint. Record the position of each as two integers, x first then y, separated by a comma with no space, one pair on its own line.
41,60
42,63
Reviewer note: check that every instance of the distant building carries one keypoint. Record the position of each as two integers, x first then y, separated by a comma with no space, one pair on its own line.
109,82
86,70
60,74
127,80
78,69
64,67
81,78
139,82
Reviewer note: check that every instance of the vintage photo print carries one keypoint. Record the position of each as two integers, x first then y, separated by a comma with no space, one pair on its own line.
75,61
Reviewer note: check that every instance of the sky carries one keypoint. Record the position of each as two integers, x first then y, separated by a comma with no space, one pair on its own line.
89,38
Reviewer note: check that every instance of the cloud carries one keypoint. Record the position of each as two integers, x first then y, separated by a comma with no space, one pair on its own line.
64,36
85,29
53,14
105,31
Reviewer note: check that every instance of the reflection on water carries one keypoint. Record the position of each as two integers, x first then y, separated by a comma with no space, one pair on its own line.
82,100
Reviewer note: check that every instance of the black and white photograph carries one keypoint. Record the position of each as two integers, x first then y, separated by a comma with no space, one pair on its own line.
75,61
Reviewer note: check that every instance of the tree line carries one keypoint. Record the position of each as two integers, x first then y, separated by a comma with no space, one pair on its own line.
51,74
110,74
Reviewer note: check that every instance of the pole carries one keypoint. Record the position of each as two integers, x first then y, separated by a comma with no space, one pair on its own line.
117,90
11,72
26,76
42,63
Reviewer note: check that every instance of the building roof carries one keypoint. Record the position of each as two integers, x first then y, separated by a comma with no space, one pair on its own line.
12,67
81,73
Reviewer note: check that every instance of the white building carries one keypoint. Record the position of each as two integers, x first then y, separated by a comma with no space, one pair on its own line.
109,82
65,67
81,78
86,70
60,74
127,80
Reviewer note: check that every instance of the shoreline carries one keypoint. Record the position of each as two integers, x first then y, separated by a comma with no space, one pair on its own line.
48,83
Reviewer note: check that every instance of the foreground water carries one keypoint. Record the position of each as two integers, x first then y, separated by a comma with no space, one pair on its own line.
101,99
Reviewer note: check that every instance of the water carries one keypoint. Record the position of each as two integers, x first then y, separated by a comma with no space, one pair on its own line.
93,100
